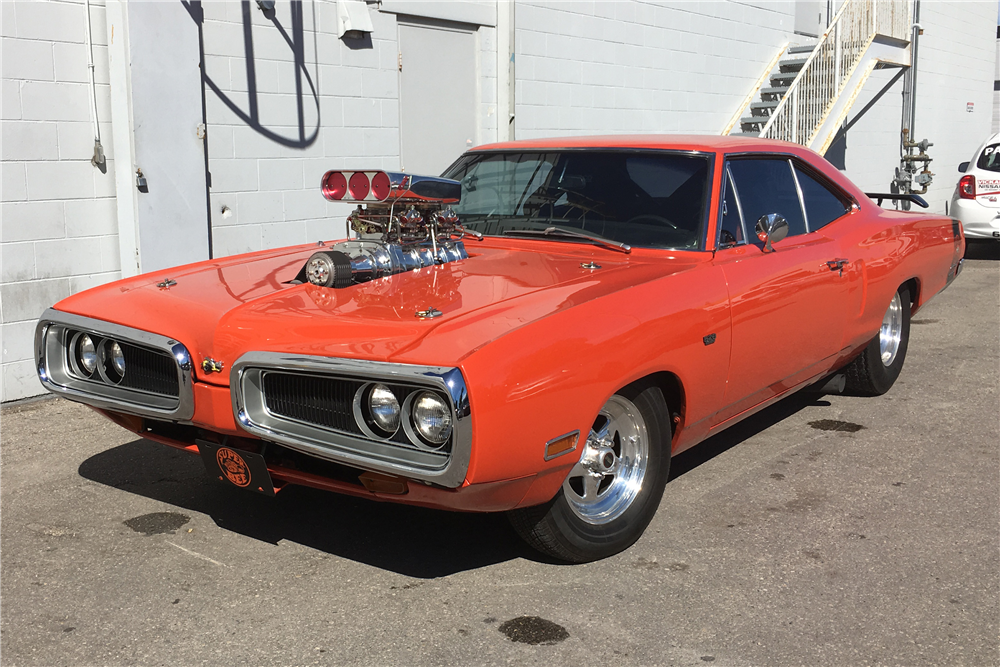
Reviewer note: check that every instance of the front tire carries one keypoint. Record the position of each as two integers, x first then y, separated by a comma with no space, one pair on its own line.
874,371
612,493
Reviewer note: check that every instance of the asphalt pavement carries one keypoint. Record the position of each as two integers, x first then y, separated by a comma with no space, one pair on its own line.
826,530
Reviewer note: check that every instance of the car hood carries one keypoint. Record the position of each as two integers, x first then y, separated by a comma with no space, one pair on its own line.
223,309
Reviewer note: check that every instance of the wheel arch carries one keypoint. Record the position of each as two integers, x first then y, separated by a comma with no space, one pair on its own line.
913,288
673,393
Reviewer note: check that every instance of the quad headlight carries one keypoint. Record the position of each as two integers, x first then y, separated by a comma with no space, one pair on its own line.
404,415
384,408
118,358
431,417
86,354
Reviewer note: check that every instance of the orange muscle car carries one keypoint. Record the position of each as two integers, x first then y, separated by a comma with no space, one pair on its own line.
535,332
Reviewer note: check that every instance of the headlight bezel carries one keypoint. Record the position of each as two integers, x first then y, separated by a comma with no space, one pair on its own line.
398,455
61,373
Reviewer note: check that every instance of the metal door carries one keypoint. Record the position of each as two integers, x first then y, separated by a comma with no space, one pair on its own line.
438,91
172,210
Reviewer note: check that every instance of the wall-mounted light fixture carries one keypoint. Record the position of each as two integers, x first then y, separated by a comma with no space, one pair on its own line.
353,19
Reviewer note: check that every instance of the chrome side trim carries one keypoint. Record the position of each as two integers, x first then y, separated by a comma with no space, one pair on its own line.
54,369
378,455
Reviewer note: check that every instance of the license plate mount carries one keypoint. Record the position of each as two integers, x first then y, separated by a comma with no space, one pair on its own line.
236,467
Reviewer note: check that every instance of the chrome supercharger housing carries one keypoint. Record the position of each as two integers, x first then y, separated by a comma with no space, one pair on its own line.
406,222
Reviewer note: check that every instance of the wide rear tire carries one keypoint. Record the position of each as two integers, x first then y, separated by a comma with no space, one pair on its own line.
874,371
611,495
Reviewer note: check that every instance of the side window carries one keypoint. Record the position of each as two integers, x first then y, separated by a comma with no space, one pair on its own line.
731,224
822,206
768,186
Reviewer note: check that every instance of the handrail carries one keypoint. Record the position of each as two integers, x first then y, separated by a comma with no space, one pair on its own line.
826,70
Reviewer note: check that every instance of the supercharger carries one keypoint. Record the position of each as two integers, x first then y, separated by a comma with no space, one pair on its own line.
403,222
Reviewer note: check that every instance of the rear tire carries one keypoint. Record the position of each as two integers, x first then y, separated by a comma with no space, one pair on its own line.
874,371
603,509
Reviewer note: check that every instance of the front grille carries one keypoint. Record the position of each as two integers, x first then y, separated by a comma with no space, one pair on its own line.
149,371
323,401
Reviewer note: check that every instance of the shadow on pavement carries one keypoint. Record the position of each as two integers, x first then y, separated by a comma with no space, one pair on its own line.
411,541
982,249
706,451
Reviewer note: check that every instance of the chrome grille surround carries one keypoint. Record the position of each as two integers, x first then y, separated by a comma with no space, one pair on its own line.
445,468
53,335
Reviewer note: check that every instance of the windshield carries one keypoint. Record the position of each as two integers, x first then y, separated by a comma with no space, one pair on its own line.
990,159
650,199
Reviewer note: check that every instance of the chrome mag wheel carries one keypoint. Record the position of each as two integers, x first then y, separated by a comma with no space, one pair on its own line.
891,333
612,466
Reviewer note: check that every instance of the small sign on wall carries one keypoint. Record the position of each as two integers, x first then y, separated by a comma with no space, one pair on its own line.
970,106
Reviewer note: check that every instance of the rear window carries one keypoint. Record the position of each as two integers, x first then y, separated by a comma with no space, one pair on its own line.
822,205
990,159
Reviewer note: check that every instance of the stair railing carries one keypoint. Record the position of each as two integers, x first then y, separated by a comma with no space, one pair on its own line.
754,94
839,51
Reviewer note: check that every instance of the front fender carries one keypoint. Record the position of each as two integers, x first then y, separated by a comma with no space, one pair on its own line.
553,376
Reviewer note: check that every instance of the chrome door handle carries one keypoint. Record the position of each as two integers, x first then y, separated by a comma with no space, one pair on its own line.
838,265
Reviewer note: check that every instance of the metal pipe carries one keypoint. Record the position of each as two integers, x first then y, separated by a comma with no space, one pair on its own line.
98,158
914,39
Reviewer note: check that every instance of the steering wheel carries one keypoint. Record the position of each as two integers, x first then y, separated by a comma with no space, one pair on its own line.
649,218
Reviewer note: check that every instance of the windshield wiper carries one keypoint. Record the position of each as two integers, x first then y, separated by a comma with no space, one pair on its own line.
569,234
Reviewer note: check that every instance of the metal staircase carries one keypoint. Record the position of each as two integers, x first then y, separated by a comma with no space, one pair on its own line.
807,90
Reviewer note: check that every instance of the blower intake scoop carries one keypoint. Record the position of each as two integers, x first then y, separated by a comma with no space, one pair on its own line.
403,222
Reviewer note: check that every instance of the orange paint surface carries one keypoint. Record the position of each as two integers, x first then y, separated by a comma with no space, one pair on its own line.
541,342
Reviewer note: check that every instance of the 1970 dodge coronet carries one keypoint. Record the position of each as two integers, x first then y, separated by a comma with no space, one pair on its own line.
536,332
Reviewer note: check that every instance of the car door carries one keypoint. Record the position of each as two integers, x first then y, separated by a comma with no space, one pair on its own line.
788,306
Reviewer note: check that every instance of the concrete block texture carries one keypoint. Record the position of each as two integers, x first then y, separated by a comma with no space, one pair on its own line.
13,186
53,21
235,239
8,22
26,300
17,341
20,380
91,217
61,258
27,59
18,262
33,220
10,99
24,140
66,179
59,218
43,100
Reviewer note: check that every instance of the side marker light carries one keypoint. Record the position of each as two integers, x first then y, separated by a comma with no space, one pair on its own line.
561,445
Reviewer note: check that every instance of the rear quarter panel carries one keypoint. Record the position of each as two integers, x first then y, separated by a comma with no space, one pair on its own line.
888,249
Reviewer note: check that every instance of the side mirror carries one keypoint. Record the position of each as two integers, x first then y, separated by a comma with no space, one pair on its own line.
963,167
771,228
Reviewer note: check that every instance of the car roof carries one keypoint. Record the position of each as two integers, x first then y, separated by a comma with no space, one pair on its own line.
686,142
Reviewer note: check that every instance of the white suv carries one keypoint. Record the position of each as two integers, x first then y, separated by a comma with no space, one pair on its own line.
976,201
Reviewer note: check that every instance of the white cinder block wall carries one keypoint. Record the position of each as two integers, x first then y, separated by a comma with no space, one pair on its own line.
581,68
633,67
59,226
630,67
266,193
